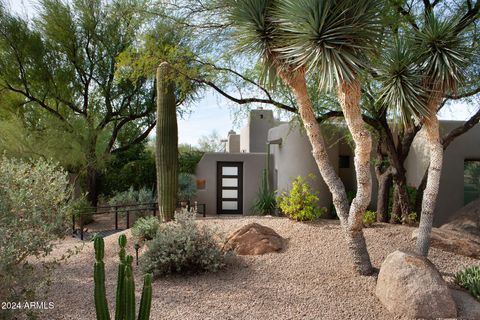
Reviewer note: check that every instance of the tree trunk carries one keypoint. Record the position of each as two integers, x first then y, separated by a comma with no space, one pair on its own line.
433,180
349,98
352,223
404,206
92,171
384,186
167,143
396,210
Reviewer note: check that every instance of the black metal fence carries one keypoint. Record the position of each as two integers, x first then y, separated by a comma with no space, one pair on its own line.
124,211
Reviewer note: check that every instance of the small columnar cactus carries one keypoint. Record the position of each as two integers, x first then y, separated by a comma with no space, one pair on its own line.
125,295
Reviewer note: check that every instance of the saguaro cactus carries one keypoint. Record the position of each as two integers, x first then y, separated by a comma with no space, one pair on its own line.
167,142
125,297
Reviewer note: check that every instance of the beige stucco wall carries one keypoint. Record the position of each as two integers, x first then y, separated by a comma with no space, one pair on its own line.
253,165
465,147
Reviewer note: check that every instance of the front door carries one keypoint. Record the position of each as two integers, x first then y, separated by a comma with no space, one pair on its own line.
230,187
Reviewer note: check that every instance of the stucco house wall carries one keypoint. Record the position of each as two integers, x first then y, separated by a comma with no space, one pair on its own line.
253,166
465,147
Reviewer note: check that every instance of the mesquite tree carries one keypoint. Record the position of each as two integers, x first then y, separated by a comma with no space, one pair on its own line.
166,143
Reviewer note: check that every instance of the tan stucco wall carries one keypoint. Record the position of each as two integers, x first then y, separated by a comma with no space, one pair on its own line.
465,147
253,165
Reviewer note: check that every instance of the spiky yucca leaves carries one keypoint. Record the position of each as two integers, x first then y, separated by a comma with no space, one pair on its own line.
331,37
470,280
443,54
399,74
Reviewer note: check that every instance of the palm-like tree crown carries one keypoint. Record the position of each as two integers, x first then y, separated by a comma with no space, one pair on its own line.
332,37
443,54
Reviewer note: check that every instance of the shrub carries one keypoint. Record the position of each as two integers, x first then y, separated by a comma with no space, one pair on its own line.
186,186
369,218
145,228
300,203
182,246
412,218
265,202
81,207
470,280
34,210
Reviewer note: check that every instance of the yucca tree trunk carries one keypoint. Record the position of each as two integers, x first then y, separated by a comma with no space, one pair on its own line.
431,126
167,143
349,98
350,222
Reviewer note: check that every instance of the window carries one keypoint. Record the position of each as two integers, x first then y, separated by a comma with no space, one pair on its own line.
471,180
261,116
344,162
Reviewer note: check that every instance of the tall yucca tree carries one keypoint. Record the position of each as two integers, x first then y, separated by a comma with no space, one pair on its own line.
332,38
416,73
443,58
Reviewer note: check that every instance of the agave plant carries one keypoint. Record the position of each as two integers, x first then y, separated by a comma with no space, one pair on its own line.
332,38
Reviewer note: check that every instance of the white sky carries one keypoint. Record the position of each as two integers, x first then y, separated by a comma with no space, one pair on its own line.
211,112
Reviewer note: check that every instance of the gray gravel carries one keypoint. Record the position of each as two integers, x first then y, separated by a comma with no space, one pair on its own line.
311,279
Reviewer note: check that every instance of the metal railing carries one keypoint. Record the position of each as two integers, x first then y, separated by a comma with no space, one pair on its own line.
126,209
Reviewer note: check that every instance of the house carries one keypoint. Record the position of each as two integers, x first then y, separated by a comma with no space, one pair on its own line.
228,182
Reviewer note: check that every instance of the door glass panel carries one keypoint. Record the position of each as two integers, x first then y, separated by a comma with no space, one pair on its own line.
229,205
229,182
229,193
230,171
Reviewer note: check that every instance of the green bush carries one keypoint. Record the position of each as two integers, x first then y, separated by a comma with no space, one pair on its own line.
186,186
81,207
300,203
470,280
412,218
182,246
145,228
265,202
34,211
369,218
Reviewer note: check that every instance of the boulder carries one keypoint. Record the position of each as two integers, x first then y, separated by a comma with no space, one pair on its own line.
467,219
467,306
254,239
410,285
454,241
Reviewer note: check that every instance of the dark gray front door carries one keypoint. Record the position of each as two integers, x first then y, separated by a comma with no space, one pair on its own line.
230,187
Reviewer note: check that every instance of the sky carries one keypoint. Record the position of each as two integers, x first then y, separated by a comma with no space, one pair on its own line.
214,113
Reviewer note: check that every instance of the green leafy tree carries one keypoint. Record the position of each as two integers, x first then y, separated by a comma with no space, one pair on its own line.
64,64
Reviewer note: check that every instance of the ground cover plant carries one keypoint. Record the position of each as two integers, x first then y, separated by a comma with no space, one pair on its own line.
470,280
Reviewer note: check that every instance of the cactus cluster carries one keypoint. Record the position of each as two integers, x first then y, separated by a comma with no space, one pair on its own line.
167,143
470,280
125,295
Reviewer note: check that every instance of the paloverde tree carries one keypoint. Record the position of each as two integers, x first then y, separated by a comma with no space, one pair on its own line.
333,39
64,63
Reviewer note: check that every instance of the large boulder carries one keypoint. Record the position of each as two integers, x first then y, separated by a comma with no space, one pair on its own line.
254,239
454,241
467,306
410,285
467,219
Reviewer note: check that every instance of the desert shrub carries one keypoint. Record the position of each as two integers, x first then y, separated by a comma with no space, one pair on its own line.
470,280
132,197
186,186
369,218
412,218
182,246
145,228
265,203
300,203
34,210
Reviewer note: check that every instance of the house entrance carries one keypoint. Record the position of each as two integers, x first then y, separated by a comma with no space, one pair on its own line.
230,187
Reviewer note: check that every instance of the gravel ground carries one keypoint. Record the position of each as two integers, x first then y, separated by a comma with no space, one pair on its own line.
311,279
